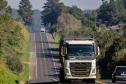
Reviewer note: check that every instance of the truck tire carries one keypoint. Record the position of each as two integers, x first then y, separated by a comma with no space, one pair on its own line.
92,81
113,81
62,77
89,80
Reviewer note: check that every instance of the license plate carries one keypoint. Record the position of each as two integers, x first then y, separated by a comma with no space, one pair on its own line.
123,74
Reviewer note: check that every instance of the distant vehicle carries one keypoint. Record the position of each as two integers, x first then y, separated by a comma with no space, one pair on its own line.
78,58
42,30
119,74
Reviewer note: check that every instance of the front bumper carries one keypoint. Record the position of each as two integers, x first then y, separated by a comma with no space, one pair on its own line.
120,77
71,77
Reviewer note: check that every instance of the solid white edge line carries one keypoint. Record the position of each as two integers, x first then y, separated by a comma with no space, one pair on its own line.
30,77
43,51
35,58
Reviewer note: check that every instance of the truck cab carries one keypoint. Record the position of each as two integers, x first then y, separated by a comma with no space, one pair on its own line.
78,58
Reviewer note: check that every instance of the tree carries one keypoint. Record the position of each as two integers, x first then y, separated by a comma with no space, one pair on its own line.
3,4
122,10
4,8
124,2
103,13
25,12
113,12
77,12
51,12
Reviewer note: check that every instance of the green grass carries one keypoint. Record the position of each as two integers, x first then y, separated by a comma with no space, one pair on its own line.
97,74
24,76
57,37
7,77
19,43
25,50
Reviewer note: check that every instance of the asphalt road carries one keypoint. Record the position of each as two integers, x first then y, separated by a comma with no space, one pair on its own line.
45,60
110,82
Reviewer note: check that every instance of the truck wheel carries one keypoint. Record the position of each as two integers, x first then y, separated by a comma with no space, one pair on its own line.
113,81
62,76
92,80
89,81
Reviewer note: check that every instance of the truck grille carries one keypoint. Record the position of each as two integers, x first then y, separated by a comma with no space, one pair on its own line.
81,69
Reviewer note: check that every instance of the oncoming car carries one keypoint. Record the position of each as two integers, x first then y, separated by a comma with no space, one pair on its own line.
119,74
42,30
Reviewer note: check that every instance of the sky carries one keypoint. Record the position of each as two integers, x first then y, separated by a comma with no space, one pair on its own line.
83,4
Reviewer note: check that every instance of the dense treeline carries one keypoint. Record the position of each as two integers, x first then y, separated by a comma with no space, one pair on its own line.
111,42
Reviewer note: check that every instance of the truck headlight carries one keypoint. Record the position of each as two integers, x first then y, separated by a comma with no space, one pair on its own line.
93,70
66,70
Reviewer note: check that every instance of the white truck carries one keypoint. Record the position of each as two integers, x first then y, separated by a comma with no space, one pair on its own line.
78,58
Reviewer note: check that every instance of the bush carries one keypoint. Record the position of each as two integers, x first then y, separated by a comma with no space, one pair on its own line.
14,64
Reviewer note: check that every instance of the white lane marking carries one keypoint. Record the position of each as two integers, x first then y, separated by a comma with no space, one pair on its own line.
31,55
30,77
31,66
43,51
35,58
53,60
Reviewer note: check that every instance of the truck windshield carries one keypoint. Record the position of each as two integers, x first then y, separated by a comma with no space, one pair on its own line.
81,50
121,69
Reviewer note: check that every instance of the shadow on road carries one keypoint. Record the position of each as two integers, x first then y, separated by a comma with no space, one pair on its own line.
50,42
47,55
45,83
57,69
61,83
54,75
44,42
53,49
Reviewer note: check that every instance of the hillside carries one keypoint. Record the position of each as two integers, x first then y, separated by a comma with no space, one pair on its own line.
14,40
67,22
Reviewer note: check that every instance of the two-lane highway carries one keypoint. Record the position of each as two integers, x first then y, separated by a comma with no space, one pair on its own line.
46,69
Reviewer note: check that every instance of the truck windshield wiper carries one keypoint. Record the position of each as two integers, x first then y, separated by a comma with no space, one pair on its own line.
88,53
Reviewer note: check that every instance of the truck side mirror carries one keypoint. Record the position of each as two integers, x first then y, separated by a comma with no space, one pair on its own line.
65,49
98,51
62,51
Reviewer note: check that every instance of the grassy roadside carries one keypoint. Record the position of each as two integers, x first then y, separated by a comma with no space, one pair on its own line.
9,77
6,76
98,81
57,37
24,76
